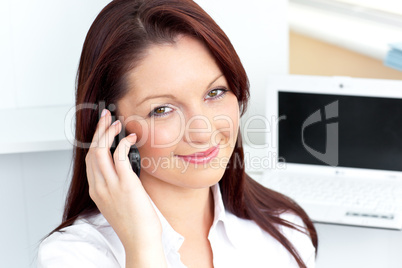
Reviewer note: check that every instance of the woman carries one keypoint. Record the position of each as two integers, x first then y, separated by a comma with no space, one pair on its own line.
174,81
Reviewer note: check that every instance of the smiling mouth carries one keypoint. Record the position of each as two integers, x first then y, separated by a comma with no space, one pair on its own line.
201,157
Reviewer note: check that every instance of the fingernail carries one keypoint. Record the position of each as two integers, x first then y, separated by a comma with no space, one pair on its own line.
104,111
131,137
115,122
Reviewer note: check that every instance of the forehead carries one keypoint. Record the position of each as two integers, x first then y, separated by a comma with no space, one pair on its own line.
170,68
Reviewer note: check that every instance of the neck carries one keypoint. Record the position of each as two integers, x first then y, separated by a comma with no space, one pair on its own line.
185,209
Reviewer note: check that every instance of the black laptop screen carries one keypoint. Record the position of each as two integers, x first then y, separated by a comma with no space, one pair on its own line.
340,130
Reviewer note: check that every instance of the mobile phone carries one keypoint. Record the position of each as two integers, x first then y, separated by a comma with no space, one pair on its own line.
133,154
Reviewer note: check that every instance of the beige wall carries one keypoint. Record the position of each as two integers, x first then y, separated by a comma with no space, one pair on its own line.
312,57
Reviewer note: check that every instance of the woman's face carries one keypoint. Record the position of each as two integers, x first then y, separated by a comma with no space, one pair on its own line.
185,115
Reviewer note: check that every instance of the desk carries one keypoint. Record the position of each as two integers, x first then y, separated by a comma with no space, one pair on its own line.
347,247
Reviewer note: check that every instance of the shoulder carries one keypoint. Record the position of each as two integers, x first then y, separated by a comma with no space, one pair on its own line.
87,243
247,232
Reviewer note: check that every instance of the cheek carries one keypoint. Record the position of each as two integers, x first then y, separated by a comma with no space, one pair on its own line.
165,134
156,137
227,119
141,128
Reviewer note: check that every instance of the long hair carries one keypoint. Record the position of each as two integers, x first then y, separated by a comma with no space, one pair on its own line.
115,43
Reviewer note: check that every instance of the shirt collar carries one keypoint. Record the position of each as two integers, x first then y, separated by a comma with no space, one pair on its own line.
170,238
220,214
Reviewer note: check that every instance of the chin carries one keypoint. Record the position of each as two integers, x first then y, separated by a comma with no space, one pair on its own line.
203,179
193,178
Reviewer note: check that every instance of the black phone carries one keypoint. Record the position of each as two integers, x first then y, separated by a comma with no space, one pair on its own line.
133,154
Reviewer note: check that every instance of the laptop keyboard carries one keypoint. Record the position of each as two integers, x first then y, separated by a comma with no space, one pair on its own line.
357,199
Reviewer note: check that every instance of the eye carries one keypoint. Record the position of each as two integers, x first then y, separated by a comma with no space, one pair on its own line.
160,111
217,93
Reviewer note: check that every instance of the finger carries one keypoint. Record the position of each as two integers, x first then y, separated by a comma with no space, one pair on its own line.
104,161
121,158
96,155
102,126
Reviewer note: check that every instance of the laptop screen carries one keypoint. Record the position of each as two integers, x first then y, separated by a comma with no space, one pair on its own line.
340,130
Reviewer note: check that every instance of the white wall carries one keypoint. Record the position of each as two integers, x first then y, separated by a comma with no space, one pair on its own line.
32,190
40,46
258,30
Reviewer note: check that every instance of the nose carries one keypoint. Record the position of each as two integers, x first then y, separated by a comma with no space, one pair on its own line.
198,130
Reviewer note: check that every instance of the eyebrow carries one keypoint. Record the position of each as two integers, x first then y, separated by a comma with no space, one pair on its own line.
172,96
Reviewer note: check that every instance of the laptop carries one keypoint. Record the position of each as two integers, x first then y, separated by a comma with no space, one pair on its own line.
337,147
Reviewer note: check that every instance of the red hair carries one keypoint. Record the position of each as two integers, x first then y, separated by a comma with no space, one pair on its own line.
115,43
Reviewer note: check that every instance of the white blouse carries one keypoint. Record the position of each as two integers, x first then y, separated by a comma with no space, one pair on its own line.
235,242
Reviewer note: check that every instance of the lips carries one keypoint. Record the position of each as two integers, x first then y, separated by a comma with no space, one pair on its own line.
201,157
201,154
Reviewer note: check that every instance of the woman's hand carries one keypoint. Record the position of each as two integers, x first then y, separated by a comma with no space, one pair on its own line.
120,196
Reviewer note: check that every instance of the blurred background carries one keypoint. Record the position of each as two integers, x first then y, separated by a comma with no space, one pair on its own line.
344,37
